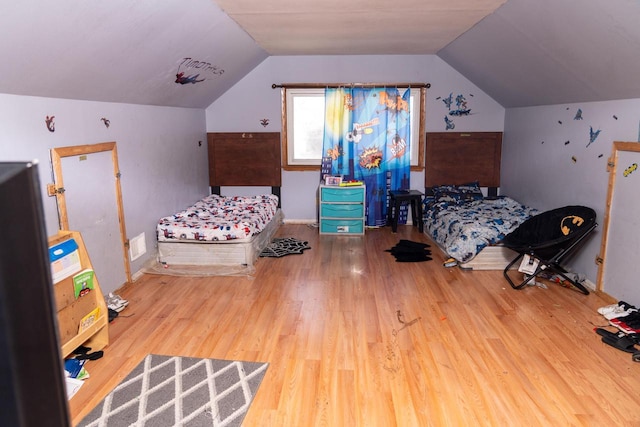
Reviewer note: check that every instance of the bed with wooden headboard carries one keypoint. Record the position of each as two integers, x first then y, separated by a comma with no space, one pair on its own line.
459,158
467,161
242,159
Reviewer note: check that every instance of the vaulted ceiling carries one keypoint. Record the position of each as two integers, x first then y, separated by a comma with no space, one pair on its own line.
356,27
187,53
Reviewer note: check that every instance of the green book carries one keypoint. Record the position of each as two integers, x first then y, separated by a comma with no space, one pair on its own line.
83,282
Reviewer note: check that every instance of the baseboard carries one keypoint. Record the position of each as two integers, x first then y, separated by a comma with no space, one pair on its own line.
589,285
135,276
300,221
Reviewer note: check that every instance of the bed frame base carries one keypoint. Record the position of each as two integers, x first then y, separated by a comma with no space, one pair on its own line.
490,258
223,253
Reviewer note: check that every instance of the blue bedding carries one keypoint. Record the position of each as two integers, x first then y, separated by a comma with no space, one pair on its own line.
464,229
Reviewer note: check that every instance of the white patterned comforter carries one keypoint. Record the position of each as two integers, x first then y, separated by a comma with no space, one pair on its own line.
463,230
217,218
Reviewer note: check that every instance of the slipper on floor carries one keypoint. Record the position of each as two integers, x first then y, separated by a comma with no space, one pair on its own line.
624,343
82,350
91,356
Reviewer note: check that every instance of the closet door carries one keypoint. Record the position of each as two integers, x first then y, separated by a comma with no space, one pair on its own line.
92,210
89,198
619,272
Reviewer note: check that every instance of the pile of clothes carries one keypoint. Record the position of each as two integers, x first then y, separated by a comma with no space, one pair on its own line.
410,251
626,318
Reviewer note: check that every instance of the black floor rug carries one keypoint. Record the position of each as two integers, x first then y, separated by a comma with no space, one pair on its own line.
280,247
410,251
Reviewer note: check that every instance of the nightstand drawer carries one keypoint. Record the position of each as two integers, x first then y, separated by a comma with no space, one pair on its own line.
342,226
342,211
342,194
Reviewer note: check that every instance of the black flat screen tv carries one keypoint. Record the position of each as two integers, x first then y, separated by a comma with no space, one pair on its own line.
32,390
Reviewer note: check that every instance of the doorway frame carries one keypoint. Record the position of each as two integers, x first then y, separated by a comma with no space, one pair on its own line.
612,164
78,150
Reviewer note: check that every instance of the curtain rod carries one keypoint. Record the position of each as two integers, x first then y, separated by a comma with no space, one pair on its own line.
321,85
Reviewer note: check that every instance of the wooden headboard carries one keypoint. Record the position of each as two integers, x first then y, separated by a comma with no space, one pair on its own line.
244,159
462,157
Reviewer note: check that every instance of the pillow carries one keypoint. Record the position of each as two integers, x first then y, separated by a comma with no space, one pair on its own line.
458,193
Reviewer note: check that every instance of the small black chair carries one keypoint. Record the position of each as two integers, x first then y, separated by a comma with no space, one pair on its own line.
549,237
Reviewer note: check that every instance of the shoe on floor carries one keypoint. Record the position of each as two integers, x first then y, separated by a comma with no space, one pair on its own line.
115,303
614,311
451,262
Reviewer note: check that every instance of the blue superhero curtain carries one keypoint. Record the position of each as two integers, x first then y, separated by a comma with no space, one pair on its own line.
367,137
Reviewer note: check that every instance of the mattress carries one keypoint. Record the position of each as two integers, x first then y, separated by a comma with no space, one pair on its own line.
463,230
219,218
238,252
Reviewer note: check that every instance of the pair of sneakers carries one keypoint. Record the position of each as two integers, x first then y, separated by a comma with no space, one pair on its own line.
615,311
115,303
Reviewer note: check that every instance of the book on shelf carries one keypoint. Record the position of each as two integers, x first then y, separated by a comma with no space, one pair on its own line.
89,320
65,260
83,282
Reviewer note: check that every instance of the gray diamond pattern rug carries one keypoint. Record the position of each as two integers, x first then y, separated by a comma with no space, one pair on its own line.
180,391
280,247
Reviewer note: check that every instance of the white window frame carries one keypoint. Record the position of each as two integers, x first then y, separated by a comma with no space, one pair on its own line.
290,162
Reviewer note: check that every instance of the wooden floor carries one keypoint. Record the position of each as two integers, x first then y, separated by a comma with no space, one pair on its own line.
354,338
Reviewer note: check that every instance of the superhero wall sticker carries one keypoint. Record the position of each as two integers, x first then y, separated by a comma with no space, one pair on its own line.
590,138
51,124
191,71
457,107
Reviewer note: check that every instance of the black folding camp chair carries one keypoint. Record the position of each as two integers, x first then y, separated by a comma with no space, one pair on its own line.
550,237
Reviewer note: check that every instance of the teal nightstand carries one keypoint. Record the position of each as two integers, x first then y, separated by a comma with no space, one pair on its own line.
342,210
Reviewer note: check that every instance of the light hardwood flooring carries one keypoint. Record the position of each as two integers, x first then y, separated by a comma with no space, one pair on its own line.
354,338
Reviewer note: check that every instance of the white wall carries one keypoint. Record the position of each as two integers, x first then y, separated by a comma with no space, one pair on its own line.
252,99
546,162
163,168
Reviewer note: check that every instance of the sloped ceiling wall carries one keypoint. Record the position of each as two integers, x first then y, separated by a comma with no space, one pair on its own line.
123,51
546,52
526,52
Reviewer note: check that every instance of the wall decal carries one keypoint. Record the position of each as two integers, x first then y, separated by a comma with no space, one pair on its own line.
592,135
615,117
567,142
50,123
183,80
190,71
460,109
573,159
628,171
449,123
461,105
264,122
560,121
106,122
600,156
578,115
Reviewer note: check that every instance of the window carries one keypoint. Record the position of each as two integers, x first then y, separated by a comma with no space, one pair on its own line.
303,127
